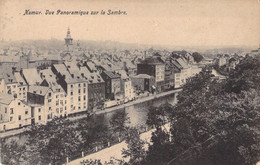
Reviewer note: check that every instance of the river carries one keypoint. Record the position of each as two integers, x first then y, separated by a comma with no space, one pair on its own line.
137,113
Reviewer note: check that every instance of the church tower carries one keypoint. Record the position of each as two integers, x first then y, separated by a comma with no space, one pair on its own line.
68,40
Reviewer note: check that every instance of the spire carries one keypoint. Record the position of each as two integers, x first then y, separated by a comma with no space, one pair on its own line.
68,33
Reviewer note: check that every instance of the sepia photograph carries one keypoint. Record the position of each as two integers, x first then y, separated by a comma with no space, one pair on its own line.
128,82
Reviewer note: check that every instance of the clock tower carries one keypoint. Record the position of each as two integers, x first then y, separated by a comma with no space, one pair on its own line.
68,40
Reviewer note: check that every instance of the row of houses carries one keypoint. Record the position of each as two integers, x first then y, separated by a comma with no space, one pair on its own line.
37,95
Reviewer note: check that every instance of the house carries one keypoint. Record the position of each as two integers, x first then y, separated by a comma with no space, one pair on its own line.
14,113
112,85
40,98
96,88
153,66
22,86
57,104
126,86
75,86
8,83
143,82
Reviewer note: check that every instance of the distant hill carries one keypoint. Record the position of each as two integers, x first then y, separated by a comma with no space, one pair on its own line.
55,44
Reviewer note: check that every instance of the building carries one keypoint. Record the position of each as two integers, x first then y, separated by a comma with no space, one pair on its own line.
112,85
8,83
126,86
143,82
14,113
68,41
22,87
96,88
153,66
75,86
40,98
57,104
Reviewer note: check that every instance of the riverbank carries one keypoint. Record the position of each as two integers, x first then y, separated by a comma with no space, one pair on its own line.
138,101
115,151
107,110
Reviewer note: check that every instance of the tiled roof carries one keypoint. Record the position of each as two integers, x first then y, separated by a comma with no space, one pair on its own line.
144,76
6,98
182,63
31,76
112,74
50,77
64,71
9,78
19,78
40,90
152,60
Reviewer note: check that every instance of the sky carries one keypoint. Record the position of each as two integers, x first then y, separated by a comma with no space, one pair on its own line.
161,22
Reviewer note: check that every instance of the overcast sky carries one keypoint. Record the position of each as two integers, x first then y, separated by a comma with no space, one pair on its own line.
175,22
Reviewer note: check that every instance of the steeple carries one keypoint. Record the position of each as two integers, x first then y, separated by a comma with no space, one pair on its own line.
68,40
68,33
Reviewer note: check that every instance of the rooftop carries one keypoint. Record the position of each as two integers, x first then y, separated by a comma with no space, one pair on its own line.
6,98
40,90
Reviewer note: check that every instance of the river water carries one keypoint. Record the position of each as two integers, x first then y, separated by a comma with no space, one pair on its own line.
137,113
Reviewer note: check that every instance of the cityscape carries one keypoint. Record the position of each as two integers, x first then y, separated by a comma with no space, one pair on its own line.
131,83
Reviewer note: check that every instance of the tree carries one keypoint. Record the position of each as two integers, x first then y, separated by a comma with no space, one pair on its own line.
135,147
11,152
197,57
53,142
161,149
118,122
211,125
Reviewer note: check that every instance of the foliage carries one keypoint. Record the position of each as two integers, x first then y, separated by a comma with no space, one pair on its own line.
161,150
135,147
118,122
53,142
197,57
246,76
11,152
214,124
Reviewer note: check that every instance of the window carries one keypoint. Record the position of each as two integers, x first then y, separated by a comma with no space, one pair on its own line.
19,117
65,108
57,102
5,110
71,93
49,94
39,117
84,84
19,103
79,85
79,91
79,108
49,100
11,118
71,86
84,98
20,89
49,108
84,90
11,111
26,112
57,96
39,110
79,98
